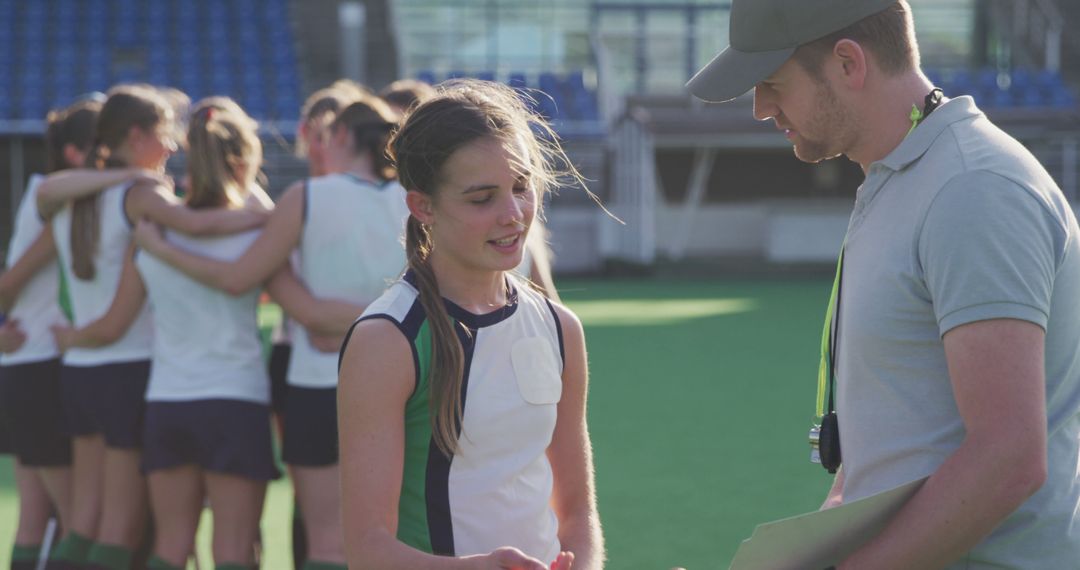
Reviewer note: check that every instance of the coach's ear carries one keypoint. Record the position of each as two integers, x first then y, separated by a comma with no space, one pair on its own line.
420,207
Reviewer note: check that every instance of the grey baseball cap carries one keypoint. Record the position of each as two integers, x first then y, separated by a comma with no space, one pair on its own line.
764,34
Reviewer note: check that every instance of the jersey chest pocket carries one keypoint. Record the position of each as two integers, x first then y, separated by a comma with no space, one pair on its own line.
536,370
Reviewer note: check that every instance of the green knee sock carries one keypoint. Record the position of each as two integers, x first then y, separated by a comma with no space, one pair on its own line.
25,552
316,565
72,548
156,563
110,556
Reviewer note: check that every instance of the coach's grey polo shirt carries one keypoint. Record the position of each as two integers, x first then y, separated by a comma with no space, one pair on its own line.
958,224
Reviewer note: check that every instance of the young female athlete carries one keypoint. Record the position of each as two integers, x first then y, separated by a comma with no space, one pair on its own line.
347,228
208,418
30,366
103,378
318,111
462,390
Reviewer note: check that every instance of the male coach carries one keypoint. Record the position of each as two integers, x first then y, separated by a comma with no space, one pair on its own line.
957,341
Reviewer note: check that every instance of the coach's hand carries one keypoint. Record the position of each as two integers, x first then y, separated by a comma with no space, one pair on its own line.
11,336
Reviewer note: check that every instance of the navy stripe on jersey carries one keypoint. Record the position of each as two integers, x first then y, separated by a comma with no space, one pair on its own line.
304,206
438,471
410,327
471,320
558,330
123,207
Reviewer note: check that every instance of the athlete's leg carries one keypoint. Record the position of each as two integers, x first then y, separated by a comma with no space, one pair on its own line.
124,515
318,491
176,500
237,504
88,472
57,482
35,510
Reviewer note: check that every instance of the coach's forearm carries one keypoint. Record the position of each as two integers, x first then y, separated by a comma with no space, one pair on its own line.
979,486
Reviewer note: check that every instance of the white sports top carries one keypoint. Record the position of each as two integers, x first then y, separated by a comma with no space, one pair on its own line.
496,491
92,299
351,248
206,342
37,306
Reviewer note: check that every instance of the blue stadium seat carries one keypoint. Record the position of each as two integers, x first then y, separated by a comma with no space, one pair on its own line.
32,78
485,75
250,59
1063,98
1000,98
95,79
427,77
552,104
158,12
6,106
63,81
128,36
98,56
221,81
517,79
986,79
127,75
255,104
285,108
32,105
158,75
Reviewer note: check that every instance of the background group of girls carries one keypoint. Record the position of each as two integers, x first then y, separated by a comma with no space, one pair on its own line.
133,379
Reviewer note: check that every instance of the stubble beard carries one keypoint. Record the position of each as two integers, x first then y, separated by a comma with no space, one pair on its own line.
826,131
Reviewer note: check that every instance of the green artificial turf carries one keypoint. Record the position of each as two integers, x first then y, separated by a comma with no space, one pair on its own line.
700,398
699,417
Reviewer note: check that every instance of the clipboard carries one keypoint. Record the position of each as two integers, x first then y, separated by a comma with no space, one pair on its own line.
817,540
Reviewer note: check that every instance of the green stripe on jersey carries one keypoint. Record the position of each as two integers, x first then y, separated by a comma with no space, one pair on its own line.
412,506
63,296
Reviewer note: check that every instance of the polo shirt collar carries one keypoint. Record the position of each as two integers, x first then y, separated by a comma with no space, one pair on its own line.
918,142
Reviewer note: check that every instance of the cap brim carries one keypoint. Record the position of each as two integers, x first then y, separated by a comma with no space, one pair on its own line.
733,72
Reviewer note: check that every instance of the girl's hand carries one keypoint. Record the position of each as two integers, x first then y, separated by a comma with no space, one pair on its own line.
64,335
564,561
510,558
325,343
148,235
11,336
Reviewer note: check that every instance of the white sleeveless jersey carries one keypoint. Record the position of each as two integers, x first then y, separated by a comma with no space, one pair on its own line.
496,490
206,342
37,305
351,248
91,299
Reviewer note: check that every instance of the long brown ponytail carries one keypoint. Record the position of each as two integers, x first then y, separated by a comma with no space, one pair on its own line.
126,107
464,111
223,142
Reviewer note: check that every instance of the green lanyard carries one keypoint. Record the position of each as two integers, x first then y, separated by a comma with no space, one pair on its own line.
830,332
827,367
